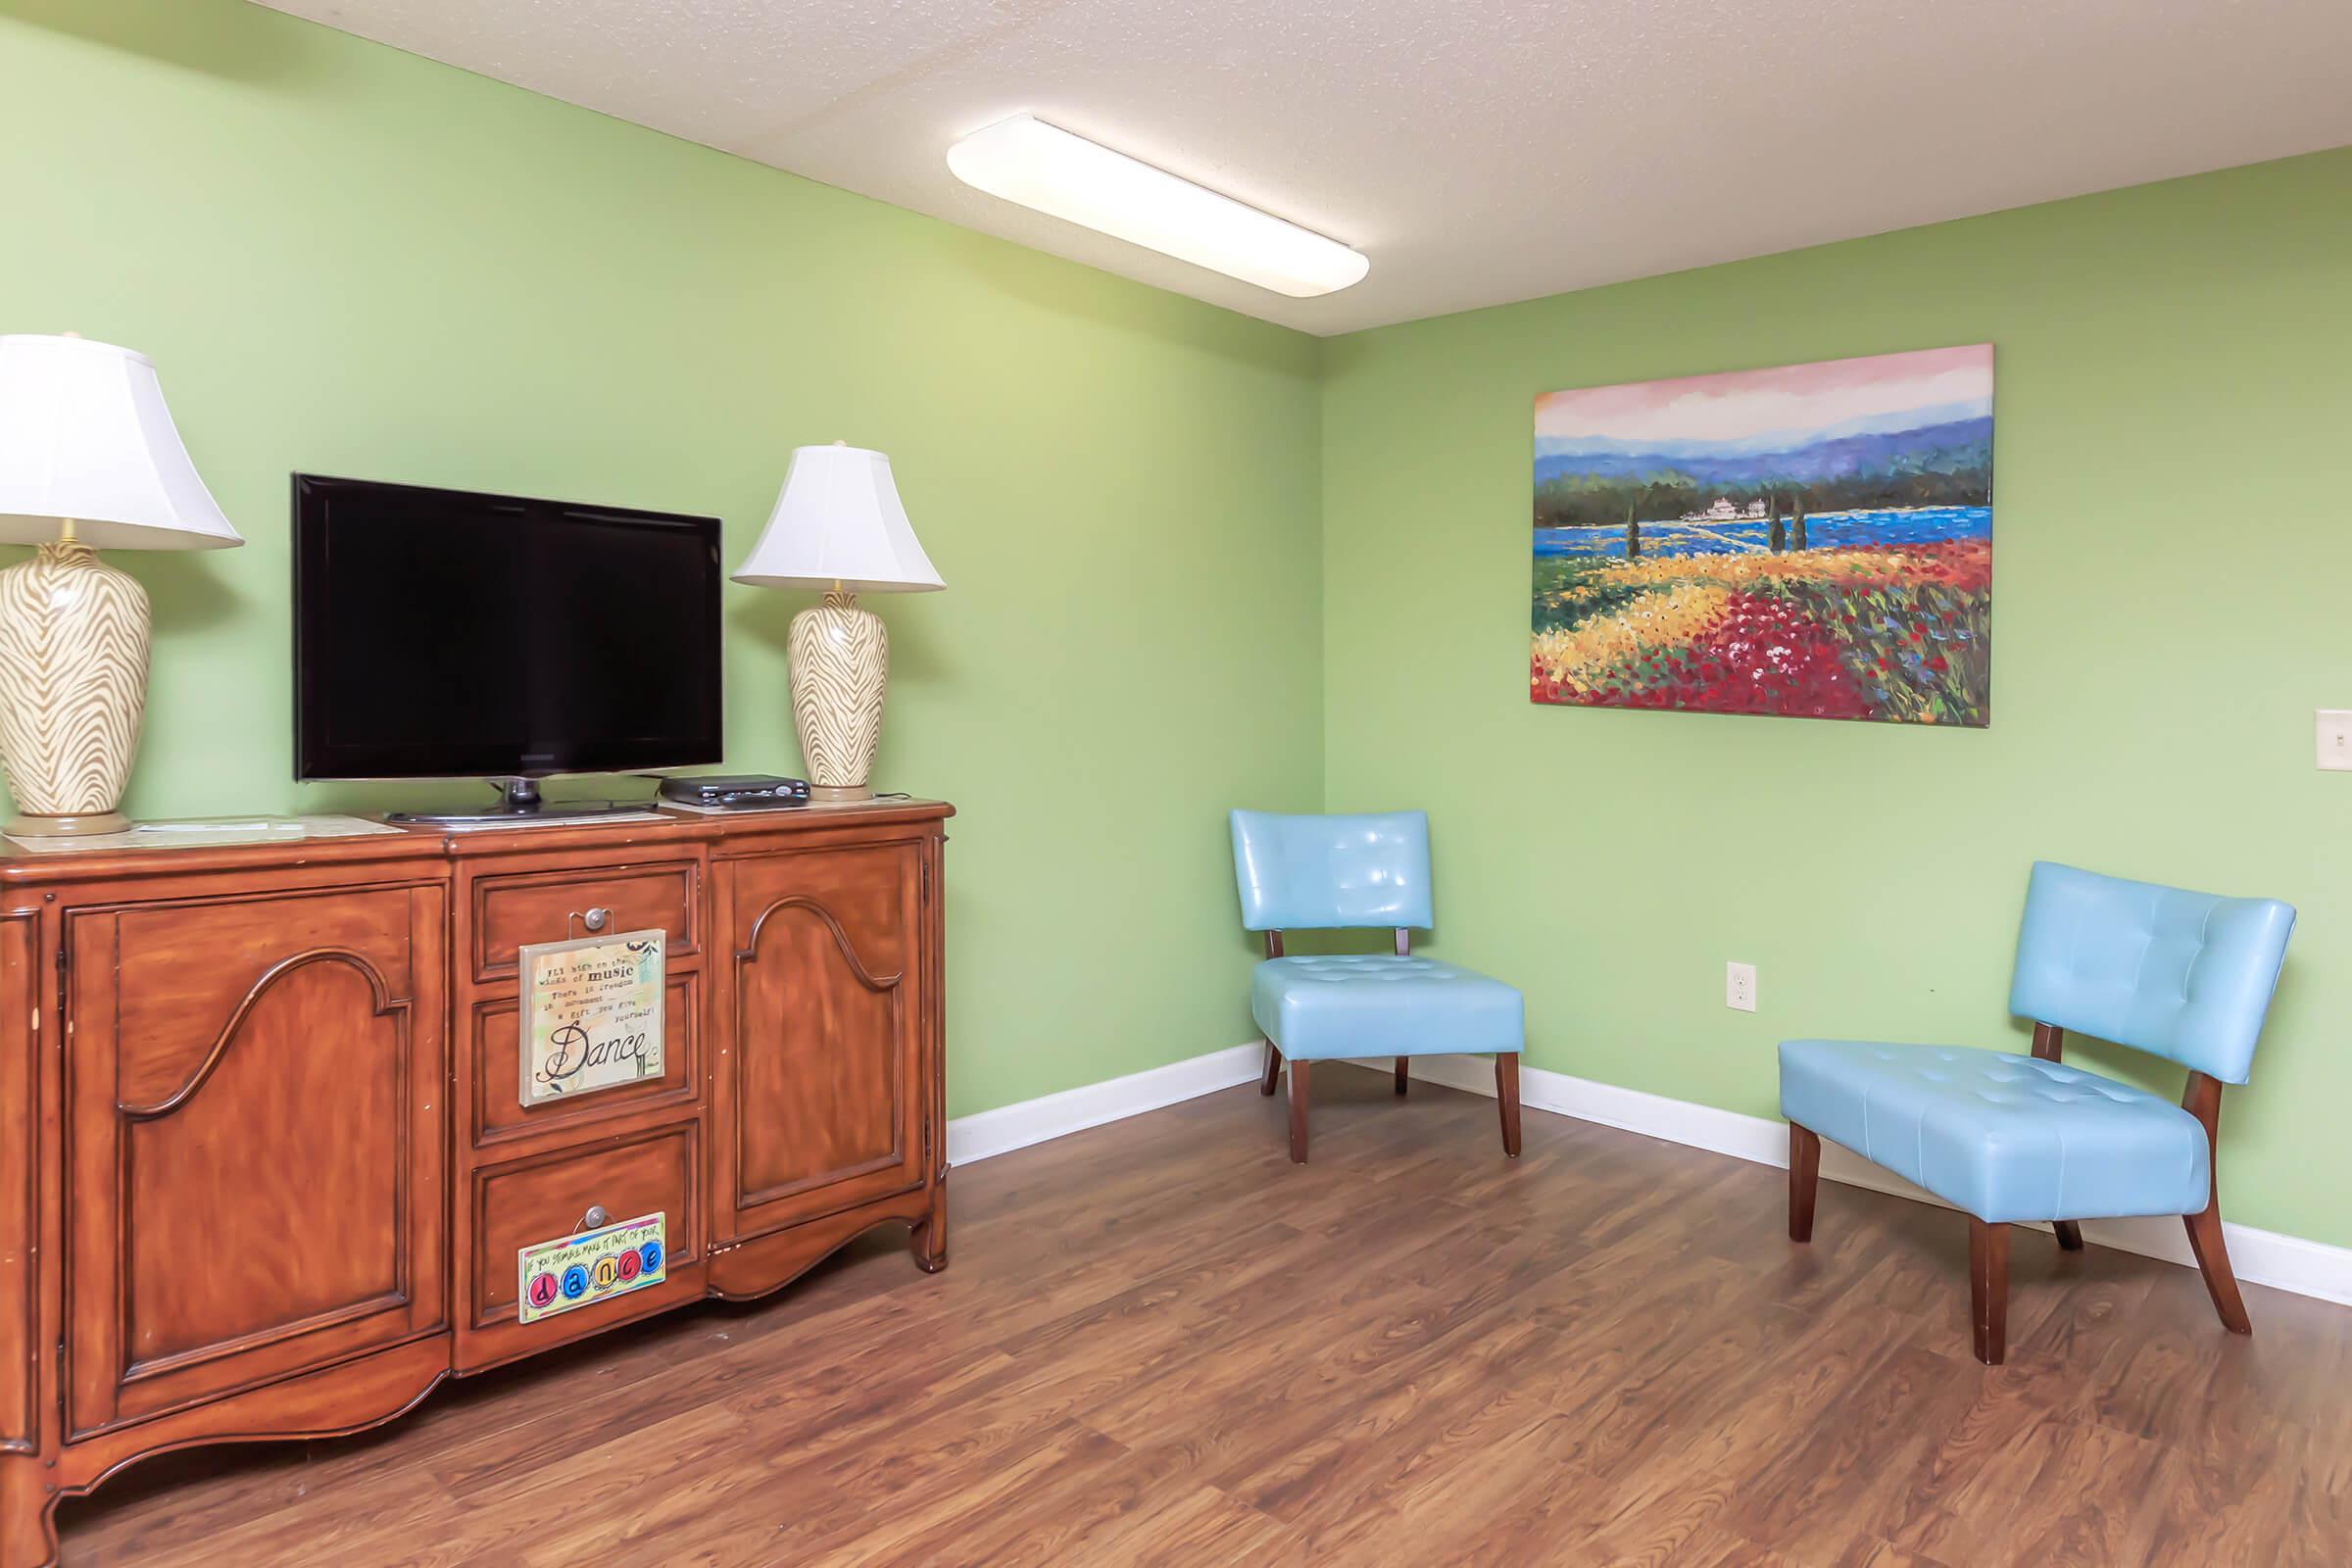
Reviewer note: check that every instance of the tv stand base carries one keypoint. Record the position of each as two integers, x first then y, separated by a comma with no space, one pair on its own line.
518,801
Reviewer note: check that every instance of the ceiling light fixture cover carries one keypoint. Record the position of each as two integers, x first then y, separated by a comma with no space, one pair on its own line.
1024,160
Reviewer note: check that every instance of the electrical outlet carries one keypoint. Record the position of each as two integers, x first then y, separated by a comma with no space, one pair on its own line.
1739,986
2336,740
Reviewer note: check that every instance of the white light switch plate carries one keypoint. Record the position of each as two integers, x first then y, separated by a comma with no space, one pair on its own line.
1739,986
2336,740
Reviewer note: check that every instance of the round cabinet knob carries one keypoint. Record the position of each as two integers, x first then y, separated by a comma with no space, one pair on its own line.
596,1218
597,919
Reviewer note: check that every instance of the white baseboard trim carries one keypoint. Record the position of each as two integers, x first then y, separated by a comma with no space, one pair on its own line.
2259,1256
2256,1255
1033,1121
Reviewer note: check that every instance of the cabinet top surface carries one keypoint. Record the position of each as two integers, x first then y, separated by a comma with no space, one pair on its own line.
370,840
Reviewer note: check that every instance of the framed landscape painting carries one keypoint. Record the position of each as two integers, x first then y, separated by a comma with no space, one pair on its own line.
1814,541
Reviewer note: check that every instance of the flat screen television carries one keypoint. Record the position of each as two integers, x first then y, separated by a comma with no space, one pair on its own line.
441,634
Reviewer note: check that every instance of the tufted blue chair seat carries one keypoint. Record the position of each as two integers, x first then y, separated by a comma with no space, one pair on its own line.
2004,1136
1372,1005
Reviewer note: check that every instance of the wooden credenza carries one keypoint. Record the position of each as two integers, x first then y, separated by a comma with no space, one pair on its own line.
264,1164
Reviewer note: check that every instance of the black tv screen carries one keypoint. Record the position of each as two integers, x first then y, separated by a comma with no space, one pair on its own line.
442,634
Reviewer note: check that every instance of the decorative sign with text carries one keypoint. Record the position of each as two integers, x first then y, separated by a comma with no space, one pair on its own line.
591,1014
590,1267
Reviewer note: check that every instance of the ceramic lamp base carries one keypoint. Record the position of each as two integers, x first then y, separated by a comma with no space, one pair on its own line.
840,659
72,689
28,826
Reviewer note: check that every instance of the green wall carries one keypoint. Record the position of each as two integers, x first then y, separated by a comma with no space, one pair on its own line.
346,260
1195,560
2173,403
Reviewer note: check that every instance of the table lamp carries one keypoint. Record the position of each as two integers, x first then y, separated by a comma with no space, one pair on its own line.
89,460
839,526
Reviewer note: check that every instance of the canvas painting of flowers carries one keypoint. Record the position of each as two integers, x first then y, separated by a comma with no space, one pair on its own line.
1814,540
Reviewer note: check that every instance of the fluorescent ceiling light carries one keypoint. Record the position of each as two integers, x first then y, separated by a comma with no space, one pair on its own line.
1027,161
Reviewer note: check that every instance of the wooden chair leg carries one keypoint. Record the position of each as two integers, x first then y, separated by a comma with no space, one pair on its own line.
2213,1261
1273,1069
2203,1101
1988,1289
2049,1045
1805,1180
1506,1095
1298,1111
1400,1062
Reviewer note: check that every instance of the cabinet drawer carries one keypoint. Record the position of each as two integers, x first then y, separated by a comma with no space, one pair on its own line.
496,1069
543,1199
533,906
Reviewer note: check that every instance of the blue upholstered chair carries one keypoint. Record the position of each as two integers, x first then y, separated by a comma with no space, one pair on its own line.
2008,1138
1342,872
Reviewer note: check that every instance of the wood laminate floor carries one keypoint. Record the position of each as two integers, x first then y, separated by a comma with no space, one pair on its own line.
1159,1341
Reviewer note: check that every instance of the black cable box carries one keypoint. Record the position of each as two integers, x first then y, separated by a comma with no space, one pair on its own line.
748,791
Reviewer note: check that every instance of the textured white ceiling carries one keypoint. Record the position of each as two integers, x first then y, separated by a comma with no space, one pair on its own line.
1478,153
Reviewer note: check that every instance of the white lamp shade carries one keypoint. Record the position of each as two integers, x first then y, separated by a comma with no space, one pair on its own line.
84,434
839,522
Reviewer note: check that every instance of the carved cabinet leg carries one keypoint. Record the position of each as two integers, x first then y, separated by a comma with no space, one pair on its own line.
929,1236
27,1523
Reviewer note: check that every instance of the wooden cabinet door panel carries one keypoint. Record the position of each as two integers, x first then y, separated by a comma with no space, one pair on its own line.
22,976
257,1125
817,1101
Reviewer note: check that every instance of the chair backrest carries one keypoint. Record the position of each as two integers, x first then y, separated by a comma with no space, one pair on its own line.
2182,975
1301,873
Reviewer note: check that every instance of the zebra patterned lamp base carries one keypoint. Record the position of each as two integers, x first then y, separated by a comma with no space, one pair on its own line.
72,689
840,657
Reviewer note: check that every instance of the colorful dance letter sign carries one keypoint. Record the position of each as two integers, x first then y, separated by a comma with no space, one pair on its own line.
590,1267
